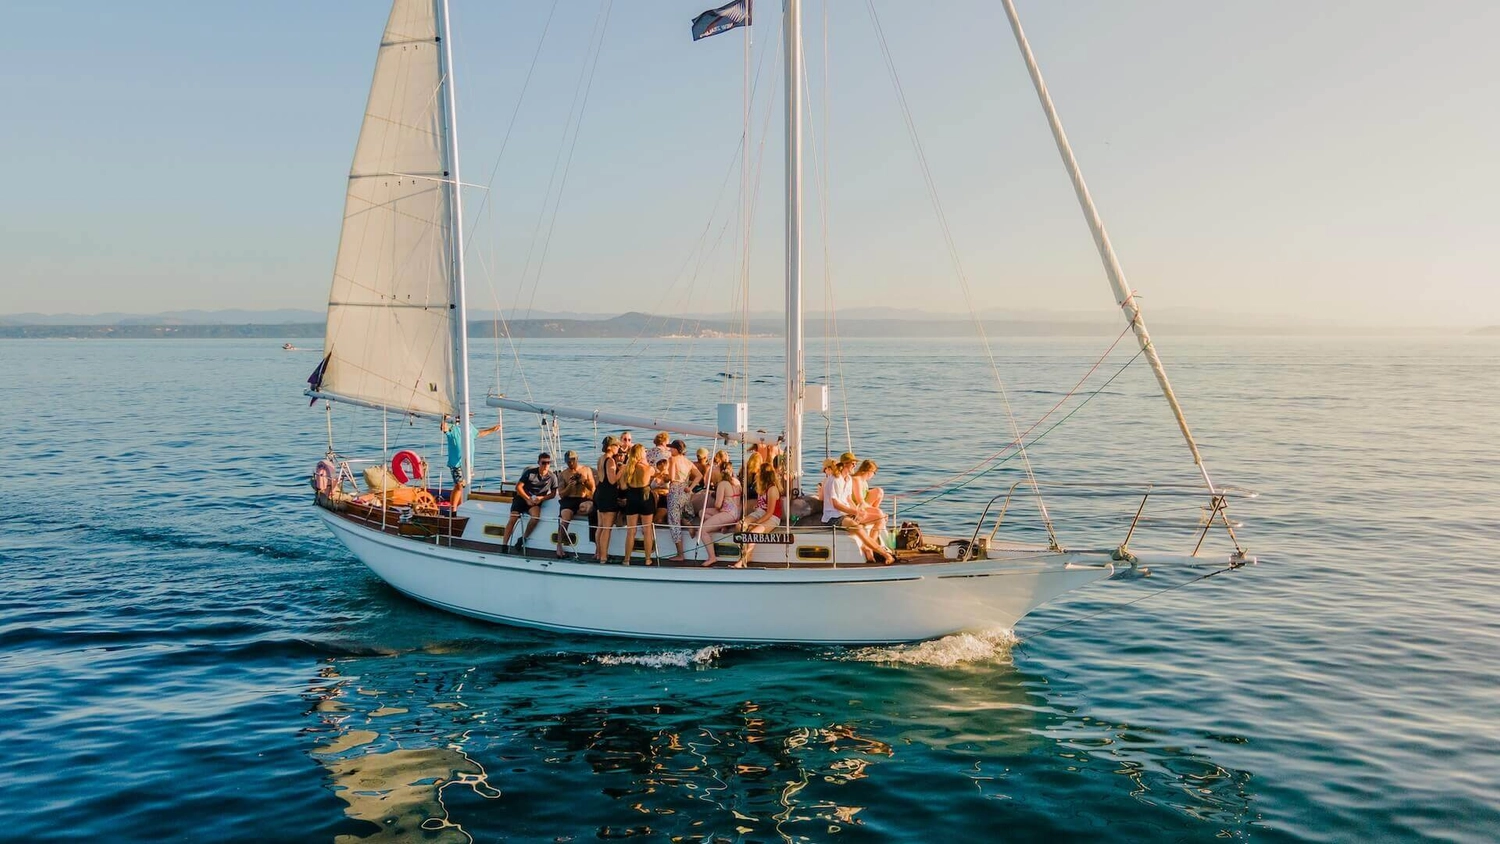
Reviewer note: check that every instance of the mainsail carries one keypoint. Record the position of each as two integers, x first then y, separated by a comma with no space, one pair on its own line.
390,334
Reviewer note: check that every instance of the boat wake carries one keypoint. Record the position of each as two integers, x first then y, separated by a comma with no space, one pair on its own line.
680,658
988,646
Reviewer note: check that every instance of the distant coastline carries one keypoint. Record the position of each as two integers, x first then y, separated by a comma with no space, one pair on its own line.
637,325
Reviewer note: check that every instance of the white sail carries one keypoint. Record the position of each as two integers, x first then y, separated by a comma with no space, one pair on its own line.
390,310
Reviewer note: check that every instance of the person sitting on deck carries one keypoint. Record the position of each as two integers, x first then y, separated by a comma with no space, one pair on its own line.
839,509
537,484
575,497
727,495
456,454
768,512
868,498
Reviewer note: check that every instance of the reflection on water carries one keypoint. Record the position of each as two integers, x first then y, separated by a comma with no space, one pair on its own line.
688,745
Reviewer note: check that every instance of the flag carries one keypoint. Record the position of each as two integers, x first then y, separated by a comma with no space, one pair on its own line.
722,19
315,380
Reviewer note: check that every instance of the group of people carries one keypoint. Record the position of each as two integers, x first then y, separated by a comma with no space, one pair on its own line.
633,487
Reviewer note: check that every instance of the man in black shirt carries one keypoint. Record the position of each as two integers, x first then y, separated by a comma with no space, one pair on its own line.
537,484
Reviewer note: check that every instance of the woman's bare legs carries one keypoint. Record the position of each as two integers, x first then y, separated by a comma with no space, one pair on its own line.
601,536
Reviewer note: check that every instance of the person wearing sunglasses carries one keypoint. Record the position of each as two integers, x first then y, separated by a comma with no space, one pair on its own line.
537,484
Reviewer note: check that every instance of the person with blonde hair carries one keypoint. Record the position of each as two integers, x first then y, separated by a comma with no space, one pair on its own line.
727,494
840,510
640,504
868,498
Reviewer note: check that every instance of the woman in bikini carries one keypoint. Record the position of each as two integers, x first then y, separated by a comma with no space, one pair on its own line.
768,513
727,493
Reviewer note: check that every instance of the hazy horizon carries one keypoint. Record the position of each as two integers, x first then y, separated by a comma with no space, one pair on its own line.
1267,161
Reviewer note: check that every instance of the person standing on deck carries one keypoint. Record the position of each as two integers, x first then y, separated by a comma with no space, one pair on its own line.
575,497
682,476
537,484
456,454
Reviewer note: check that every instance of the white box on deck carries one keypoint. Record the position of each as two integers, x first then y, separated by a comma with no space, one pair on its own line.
734,417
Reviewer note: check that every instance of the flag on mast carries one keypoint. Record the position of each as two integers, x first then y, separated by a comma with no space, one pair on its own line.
722,19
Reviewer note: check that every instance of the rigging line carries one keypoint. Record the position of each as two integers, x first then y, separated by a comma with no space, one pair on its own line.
510,127
696,252
573,121
953,255
1114,607
1034,441
830,321
1069,394
752,203
499,321
572,147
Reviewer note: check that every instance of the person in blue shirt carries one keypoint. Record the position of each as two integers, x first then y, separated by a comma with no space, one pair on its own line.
456,454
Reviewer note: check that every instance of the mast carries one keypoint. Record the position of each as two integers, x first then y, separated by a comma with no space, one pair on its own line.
455,241
795,374
1123,294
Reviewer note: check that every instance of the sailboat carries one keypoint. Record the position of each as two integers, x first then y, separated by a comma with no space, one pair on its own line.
397,343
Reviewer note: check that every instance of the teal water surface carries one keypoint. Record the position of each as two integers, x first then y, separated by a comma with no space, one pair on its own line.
187,655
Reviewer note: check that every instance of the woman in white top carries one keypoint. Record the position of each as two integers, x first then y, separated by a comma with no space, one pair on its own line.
727,492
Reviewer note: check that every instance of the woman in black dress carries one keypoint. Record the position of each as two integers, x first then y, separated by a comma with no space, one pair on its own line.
640,504
607,497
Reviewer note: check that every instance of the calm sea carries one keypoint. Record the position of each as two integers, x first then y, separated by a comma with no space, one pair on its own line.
185,654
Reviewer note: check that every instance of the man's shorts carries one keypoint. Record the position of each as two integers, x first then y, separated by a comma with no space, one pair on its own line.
519,505
458,475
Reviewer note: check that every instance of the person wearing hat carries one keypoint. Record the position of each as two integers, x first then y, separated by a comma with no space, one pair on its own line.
607,495
574,497
839,508
537,484
682,476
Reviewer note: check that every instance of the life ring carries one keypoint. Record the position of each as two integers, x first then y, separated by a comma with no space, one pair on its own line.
407,466
325,476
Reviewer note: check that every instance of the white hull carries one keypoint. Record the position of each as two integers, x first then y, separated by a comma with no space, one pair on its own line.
854,605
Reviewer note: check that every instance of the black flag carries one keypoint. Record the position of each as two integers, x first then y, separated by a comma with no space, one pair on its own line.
722,19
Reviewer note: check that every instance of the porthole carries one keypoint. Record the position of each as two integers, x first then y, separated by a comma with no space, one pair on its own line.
813,552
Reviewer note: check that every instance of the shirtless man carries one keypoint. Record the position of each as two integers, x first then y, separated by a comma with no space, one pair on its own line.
574,497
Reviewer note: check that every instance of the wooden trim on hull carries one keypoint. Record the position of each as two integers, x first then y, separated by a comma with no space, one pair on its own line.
447,532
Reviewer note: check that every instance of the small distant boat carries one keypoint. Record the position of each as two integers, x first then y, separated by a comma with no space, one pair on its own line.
288,347
397,342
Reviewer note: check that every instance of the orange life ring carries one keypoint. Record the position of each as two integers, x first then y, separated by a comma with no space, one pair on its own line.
407,466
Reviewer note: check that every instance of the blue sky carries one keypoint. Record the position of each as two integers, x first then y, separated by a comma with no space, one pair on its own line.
1318,160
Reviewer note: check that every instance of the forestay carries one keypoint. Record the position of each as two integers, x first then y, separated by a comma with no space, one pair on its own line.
390,309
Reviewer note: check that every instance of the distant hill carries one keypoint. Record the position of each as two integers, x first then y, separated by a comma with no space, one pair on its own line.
234,316
859,322
1487,331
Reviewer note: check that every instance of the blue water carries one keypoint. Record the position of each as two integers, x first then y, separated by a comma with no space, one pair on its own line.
185,654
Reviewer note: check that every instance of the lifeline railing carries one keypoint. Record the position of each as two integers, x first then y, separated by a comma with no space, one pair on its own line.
1216,511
